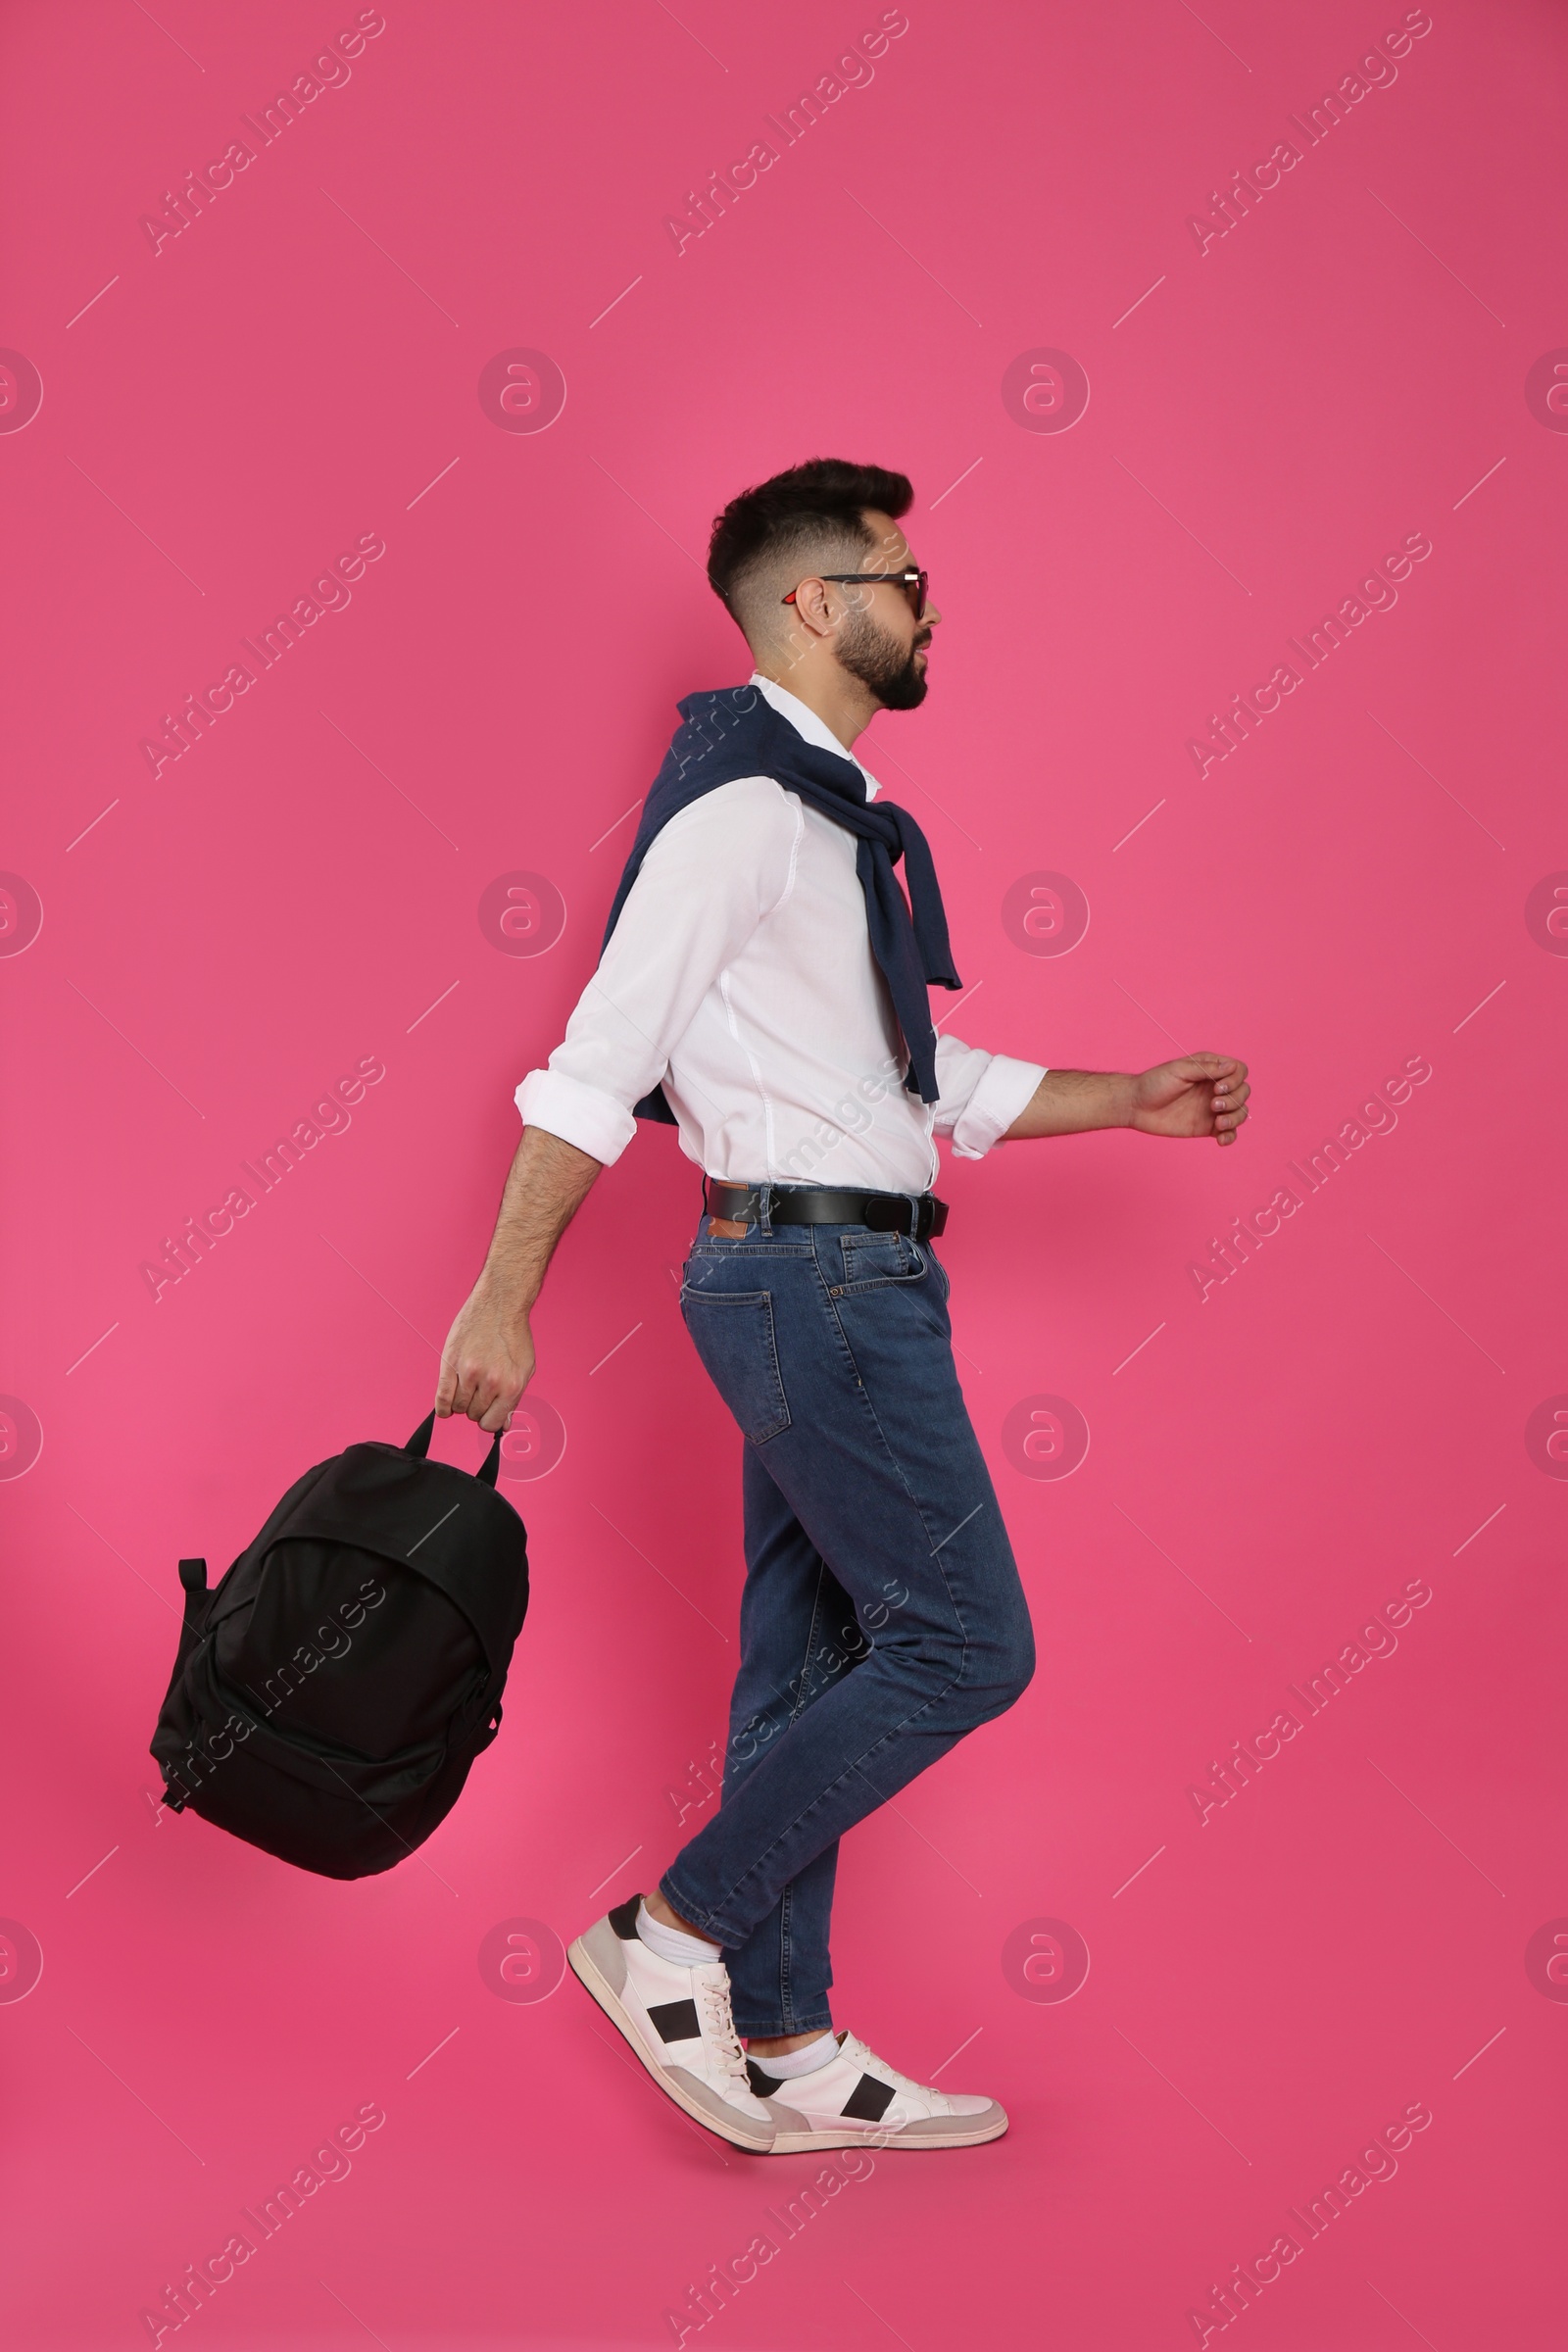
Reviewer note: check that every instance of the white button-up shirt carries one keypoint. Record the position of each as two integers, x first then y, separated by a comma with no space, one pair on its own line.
741,977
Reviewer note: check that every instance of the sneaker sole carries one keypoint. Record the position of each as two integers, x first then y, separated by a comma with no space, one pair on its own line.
801,2143
581,1963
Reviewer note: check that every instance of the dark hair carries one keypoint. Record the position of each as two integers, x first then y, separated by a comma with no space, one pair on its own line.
812,512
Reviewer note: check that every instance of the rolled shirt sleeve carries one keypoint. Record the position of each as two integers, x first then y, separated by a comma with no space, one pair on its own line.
709,877
980,1094
585,1115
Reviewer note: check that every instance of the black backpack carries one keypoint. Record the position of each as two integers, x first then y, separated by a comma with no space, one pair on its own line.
331,1692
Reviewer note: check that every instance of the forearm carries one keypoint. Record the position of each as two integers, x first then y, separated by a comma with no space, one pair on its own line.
488,1359
547,1184
1073,1102
1196,1095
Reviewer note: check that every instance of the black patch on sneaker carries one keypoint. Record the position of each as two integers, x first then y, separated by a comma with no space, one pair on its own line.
623,1918
763,2085
868,2101
676,2021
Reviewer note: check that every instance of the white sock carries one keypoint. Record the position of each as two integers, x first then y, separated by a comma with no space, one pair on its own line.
673,1943
804,2061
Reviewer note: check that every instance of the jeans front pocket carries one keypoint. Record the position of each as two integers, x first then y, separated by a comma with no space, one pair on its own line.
874,1261
733,1334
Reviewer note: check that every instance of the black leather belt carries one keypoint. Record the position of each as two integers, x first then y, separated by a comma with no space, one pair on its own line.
815,1204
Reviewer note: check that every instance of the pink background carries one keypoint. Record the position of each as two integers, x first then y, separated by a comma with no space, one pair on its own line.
1268,417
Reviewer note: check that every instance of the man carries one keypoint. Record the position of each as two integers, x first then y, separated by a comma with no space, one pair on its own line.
764,983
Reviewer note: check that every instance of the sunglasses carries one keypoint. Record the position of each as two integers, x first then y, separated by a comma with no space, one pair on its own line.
914,583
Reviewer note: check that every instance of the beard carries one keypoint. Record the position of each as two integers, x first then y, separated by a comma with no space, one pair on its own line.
880,663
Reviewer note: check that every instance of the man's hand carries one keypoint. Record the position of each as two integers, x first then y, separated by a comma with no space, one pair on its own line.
1201,1093
488,1359
487,1362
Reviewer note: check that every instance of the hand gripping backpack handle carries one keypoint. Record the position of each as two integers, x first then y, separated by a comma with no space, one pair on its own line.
419,1443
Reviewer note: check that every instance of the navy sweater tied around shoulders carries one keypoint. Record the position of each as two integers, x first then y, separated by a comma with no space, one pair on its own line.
736,732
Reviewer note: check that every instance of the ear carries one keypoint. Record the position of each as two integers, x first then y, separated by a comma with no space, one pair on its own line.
810,607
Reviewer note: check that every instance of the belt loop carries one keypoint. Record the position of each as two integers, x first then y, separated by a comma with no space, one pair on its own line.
764,1210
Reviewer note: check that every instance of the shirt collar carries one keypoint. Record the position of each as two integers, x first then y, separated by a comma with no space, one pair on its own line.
803,720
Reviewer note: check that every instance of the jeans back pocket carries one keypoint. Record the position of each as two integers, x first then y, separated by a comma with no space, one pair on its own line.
732,1332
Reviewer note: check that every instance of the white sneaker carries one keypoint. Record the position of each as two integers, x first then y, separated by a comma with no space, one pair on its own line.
858,2098
678,2022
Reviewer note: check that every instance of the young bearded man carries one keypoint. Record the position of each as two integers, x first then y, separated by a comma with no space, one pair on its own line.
764,983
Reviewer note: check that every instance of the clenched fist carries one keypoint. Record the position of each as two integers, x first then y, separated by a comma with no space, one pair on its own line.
1200,1093
487,1362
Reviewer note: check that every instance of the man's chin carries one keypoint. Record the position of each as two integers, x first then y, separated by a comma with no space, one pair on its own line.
907,691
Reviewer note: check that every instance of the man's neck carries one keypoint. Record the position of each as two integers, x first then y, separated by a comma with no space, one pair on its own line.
843,704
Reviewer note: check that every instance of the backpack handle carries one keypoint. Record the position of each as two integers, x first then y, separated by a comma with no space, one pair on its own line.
419,1443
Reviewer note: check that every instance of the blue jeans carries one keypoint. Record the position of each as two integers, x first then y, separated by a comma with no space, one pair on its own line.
882,1615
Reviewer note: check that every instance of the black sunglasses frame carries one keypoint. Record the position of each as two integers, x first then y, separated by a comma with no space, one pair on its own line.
919,581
